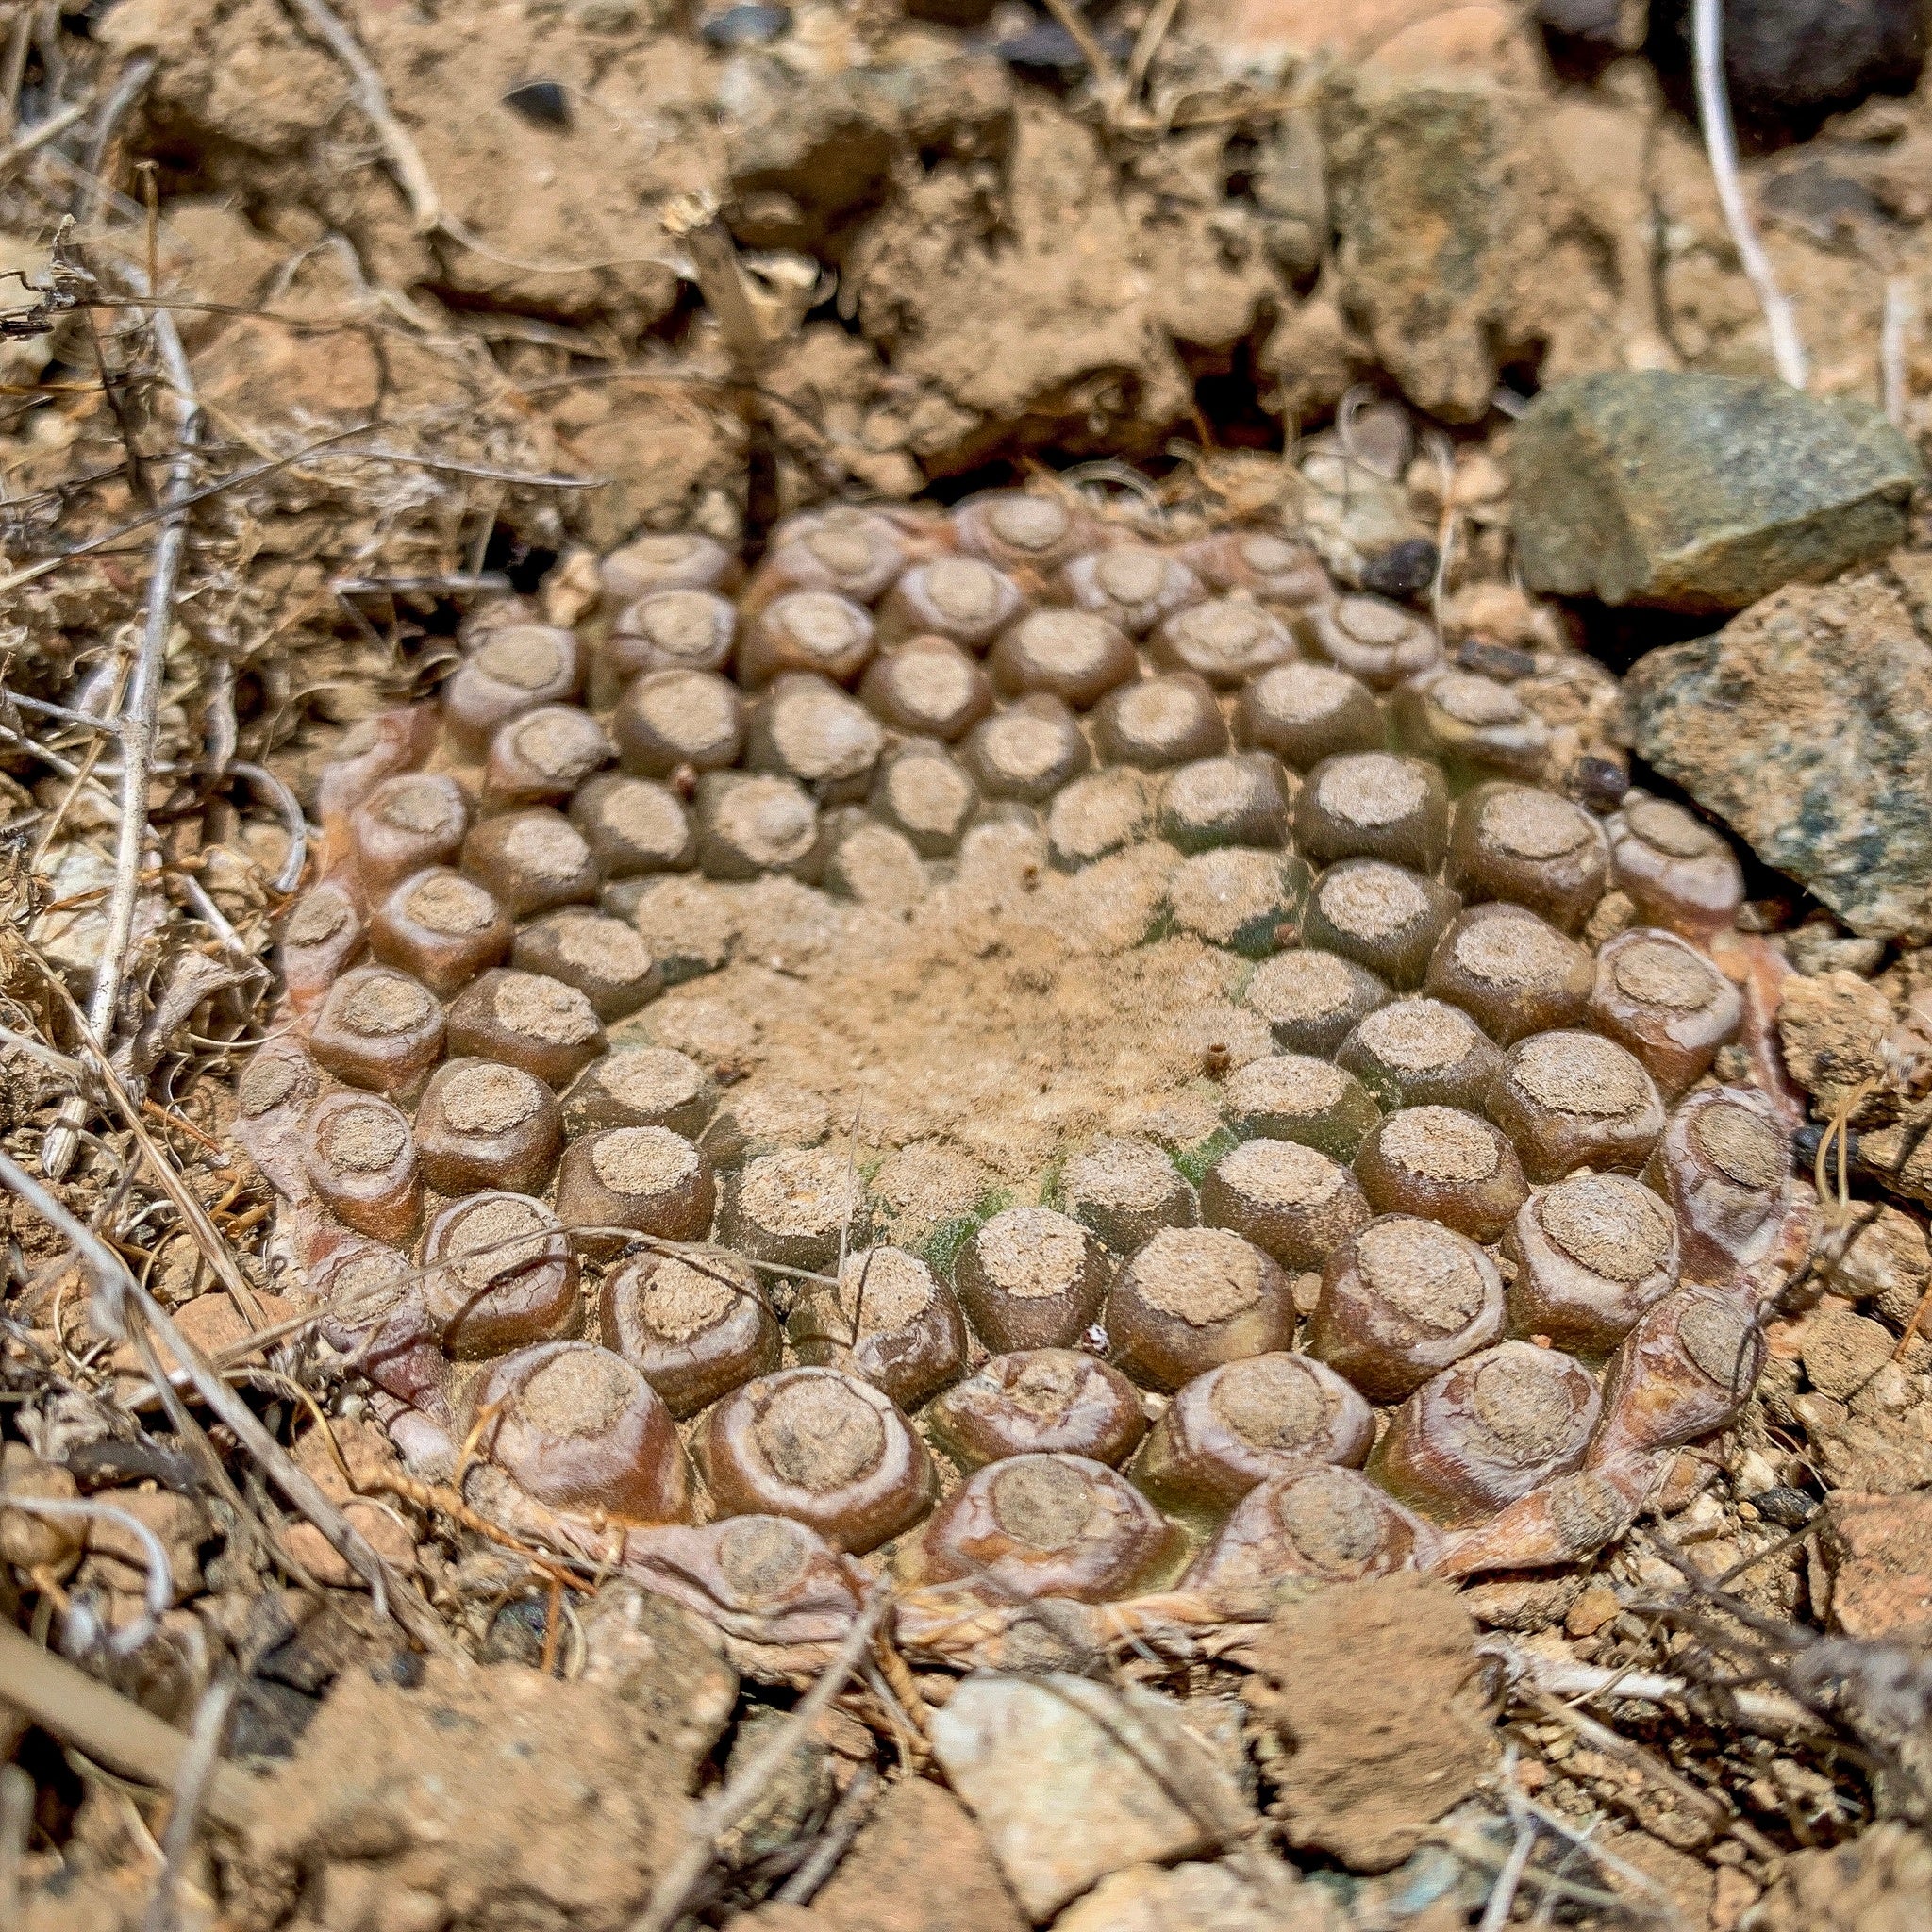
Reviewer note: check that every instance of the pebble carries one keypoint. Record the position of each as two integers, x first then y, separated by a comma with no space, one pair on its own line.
1701,492
1789,61
1807,725
1056,1770
1878,1552
1195,1898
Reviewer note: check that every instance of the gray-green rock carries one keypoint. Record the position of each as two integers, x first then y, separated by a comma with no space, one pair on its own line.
1701,492
1807,725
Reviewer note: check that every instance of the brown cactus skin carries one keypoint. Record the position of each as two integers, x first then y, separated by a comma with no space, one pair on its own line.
1036,1401
1057,531
544,666
1686,1370
618,1455
674,1201
855,1327
1678,873
765,1577
995,1277
323,937
525,1020
1485,1433
1362,1329
1683,1339
1244,1423
462,1156
692,1367
1347,808
1674,1036
380,1029
850,553
490,1300
1018,1528
1327,1524
1566,1521
277,1088
361,1158
374,1313
1519,842
443,927
885,1494
377,748
1563,1298
1429,1161
1164,1349
1512,973
407,823
1555,1133
1724,1165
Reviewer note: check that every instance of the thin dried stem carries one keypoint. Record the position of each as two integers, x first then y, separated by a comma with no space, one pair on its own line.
1501,1900
114,1290
1900,313
191,1780
40,133
140,716
1721,145
712,1819
113,1730
841,1827
405,157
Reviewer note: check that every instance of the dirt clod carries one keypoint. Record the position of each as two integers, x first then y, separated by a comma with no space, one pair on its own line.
1374,1693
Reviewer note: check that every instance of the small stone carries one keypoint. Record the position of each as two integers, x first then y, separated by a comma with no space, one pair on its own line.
1878,1551
1807,725
1596,1607
1789,62
1842,1351
1070,1780
1403,571
1200,1898
920,1865
1701,492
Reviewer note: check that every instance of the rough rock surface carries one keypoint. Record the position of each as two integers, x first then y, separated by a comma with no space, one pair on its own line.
477,1798
920,1865
1460,248
1059,1773
1877,1883
1373,1697
1788,61
1701,492
1807,725
1068,306
1878,1550
1194,1898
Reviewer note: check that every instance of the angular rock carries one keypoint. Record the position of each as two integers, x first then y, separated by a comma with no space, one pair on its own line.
920,1865
1198,1898
1701,492
1057,1770
1807,725
1875,1882
1374,1694
805,150
1461,246
1878,1552
479,1797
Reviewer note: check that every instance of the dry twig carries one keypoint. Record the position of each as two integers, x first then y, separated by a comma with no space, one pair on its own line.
411,171
199,1763
79,1710
718,1813
1721,144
